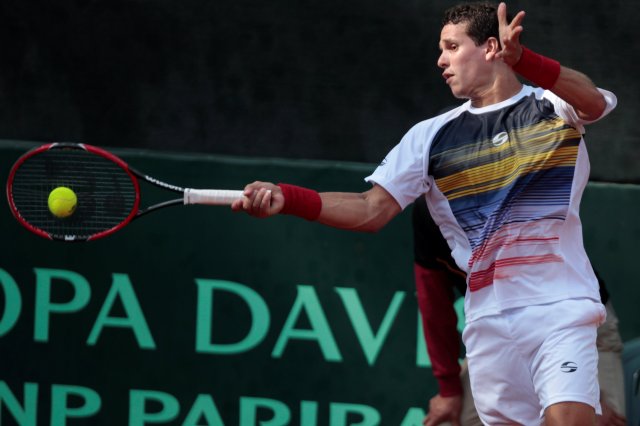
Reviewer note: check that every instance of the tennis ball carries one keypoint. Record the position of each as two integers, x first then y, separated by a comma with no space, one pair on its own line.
62,202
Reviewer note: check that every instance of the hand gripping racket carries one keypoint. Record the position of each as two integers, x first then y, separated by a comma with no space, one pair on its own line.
107,191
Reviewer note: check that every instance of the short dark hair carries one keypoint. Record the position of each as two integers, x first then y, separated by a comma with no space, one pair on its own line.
481,19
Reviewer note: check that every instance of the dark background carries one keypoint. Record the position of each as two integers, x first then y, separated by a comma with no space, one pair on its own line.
336,80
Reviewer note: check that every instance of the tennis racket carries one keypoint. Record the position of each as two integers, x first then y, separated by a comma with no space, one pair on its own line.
106,187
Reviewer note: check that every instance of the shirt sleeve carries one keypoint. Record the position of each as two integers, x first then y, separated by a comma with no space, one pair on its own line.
403,171
567,112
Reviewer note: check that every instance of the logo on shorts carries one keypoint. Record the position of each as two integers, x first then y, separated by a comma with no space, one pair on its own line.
568,367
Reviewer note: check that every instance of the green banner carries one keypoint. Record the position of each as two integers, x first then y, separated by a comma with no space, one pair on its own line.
197,315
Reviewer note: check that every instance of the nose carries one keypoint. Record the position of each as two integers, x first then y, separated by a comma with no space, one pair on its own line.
442,60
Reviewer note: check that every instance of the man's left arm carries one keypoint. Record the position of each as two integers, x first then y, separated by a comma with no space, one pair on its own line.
579,91
572,86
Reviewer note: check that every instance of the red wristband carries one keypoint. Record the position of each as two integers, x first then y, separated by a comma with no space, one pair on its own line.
538,69
301,202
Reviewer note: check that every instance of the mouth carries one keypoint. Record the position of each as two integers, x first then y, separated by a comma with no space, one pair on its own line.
446,76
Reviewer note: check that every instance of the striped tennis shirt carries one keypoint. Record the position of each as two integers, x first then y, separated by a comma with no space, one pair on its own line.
504,184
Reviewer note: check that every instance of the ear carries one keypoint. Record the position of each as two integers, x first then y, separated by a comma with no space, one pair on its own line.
492,48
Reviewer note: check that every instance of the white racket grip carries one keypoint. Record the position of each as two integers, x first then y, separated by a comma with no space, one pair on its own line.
214,197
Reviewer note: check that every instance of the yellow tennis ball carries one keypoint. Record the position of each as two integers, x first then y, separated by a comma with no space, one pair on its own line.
62,202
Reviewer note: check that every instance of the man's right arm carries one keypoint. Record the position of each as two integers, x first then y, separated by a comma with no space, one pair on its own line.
368,211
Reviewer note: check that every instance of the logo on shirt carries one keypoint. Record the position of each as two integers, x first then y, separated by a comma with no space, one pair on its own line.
383,162
500,138
568,367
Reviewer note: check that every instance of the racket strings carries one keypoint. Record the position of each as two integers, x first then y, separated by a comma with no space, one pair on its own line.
106,193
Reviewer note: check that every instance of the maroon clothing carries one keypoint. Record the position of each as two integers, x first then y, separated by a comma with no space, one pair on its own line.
439,321
436,276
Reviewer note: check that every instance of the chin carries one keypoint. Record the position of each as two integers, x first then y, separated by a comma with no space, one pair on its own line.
459,95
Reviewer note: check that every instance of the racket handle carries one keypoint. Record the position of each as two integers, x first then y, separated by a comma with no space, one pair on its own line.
215,197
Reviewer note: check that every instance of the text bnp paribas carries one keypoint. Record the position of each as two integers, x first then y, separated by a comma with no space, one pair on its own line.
59,294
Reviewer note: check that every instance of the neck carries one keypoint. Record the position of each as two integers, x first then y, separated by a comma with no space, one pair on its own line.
502,88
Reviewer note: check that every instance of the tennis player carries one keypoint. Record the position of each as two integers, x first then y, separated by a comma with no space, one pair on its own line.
503,175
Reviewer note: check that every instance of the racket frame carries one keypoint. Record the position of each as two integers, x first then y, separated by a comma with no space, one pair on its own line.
133,174
188,195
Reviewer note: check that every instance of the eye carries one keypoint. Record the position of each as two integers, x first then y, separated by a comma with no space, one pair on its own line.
453,47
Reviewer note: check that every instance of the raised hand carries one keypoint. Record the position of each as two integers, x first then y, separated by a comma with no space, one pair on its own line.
509,36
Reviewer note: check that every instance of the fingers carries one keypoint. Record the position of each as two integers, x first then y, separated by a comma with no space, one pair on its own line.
434,417
617,419
511,43
511,39
517,20
443,409
509,35
435,420
509,31
502,15
259,200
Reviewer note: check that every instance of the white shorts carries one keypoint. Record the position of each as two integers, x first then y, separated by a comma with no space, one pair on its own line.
526,359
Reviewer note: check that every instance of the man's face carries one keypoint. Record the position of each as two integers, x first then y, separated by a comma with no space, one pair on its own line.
465,68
